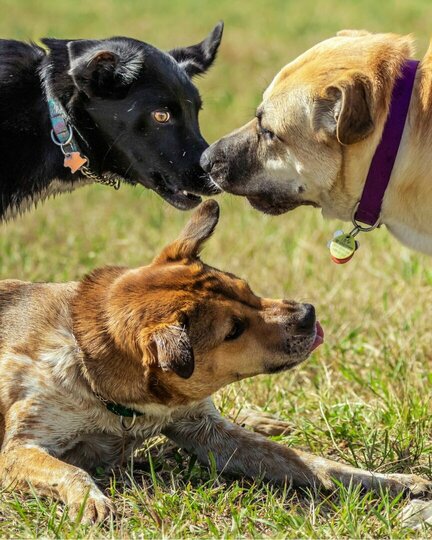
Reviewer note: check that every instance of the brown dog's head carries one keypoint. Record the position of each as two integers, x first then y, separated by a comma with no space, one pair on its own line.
177,330
316,129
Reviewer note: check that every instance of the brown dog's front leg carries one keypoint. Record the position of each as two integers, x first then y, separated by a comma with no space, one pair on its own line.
25,467
264,423
239,451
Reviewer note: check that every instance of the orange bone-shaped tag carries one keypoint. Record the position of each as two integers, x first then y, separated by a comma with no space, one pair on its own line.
74,161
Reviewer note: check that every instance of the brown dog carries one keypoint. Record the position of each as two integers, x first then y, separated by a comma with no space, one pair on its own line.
152,344
317,128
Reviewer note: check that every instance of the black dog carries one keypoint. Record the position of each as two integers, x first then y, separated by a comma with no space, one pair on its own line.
119,108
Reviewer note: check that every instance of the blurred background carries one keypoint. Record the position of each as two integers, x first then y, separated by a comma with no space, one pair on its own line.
371,380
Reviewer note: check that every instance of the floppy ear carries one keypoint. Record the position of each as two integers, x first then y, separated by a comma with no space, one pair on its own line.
104,68
174,351
197,230
345,110
196,59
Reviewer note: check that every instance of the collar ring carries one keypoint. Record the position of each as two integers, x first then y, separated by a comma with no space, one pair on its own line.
362,228
56,141
126,427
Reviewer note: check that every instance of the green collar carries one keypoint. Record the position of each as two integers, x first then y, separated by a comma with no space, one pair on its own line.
112,406
120,410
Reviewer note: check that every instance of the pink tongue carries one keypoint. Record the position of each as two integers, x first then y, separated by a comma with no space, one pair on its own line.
319,338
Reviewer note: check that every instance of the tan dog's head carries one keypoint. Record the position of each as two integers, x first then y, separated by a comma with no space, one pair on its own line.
320,117
179,329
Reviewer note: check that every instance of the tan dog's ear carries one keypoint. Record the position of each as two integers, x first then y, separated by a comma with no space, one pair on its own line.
173,351
197,230
345,110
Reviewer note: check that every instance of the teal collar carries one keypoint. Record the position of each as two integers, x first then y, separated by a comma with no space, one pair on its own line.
62,134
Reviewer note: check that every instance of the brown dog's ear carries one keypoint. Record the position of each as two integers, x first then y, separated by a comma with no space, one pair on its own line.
345,110
197,230
174,351
353,33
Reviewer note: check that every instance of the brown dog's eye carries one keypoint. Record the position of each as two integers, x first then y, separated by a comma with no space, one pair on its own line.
236,331
161,116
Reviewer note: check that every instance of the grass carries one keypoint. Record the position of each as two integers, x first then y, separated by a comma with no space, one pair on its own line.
364,397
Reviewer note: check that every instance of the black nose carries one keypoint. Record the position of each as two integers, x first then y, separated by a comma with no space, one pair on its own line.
307,322
205,162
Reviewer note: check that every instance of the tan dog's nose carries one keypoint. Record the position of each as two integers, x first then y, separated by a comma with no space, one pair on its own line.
205,161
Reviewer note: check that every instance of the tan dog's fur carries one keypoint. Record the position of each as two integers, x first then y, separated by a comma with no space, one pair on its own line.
159,339
317,129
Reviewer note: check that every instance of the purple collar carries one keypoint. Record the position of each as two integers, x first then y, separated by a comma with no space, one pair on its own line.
369,207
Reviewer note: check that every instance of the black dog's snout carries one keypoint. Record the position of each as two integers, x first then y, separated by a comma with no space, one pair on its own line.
205,161
307,322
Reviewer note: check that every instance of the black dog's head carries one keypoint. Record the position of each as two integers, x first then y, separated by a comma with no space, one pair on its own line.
136,110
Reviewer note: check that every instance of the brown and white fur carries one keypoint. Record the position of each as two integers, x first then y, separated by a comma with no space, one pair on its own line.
159,339
317,128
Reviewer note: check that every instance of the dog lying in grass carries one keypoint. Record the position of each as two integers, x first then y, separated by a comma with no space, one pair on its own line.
83,110
89,370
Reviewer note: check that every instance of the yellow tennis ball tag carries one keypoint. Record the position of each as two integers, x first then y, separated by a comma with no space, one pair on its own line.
342,248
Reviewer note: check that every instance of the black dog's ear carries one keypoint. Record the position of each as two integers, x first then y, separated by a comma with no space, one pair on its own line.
104,68
196,59
174,351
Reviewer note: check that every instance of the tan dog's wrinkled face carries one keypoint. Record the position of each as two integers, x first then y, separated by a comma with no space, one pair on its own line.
198,328
274,160
320,107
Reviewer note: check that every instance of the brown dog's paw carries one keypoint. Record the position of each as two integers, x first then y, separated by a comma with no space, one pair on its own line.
410,483
97,508
263,423
416,513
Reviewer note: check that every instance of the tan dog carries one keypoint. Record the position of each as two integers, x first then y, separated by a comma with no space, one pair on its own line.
151,343
317,128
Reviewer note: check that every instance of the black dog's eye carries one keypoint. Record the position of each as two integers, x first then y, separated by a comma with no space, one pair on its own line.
236,331
162,117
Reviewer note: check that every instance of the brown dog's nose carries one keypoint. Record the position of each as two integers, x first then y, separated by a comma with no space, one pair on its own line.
306,322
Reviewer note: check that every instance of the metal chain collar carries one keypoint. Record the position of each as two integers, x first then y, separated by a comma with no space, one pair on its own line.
111,181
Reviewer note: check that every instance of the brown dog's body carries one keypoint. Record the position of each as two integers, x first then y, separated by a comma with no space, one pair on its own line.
317,129
158,340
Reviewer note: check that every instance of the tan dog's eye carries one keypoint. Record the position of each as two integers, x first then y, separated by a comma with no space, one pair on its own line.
236,331
268,134
161,116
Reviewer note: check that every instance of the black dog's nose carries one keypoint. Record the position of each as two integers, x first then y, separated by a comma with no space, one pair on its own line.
205,161
307,322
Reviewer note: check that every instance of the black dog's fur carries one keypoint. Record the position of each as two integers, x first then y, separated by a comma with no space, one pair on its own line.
109,89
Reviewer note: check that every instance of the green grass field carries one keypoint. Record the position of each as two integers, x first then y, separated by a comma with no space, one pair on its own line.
364,397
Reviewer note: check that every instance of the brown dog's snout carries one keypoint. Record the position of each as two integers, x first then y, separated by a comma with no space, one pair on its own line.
307,319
